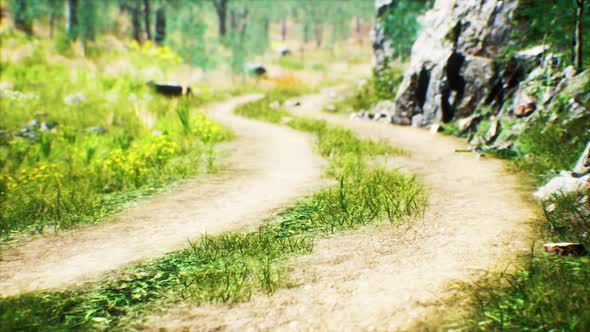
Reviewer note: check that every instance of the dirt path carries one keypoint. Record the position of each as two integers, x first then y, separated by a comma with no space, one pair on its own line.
269,167
392,278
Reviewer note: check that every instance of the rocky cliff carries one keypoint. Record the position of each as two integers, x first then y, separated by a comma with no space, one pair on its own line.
527,105
453,68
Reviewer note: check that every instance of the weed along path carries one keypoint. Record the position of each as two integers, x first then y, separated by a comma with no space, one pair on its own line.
268,167
390,277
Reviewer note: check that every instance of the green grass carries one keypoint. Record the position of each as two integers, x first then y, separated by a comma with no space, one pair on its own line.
56,179
291,63
544,148
370,92
550,294
229,268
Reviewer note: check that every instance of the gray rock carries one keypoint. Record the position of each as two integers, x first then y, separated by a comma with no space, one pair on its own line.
493,132
382,117
468,123
97,130
564,183
418,121
532,55
256,69
452,68
583,165
284,51
569,72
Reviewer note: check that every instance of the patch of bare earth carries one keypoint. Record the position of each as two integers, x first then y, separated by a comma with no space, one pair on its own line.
268,167
390,278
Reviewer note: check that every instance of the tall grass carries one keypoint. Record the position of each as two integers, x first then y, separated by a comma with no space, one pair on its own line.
77,141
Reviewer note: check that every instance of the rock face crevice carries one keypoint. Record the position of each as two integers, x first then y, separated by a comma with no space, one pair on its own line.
452,67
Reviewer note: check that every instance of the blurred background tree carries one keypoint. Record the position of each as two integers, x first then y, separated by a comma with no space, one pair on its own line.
559,24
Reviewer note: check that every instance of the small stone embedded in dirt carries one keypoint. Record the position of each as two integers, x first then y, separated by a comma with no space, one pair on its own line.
565,249
293,103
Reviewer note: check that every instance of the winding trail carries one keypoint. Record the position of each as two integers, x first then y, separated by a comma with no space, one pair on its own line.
269,166
389,277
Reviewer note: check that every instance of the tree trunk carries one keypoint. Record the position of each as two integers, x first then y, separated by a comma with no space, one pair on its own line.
160,26
72,26
243,23
221,9
357,28
233,23
579,35
306,32
146,19
22,18
135,23
284,29
52,14
318,34
574,39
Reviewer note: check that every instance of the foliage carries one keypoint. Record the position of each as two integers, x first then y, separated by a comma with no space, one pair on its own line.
400,25
552,23
547,146
387,81
548,293
289,62
369,92
76,142
551,294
